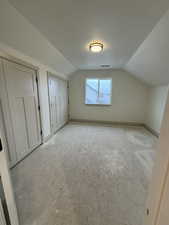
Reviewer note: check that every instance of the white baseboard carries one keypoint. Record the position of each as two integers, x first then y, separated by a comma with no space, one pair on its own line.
155,133
45,139
116,123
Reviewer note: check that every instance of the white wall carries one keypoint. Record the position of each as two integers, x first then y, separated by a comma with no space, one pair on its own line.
156,105
150,61
18,33
18,38
129,98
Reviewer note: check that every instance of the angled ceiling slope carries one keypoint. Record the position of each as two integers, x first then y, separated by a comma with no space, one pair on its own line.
71,25
20,38
151,61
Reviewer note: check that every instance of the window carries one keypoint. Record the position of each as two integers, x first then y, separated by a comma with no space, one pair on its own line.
98,91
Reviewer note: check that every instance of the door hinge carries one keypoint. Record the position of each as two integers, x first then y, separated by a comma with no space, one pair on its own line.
41,133
1,148
36,79
147,212
39,107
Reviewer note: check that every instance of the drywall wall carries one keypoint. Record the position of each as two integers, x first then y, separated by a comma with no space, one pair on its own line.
21,40
18,33
156,105
150,61
129,98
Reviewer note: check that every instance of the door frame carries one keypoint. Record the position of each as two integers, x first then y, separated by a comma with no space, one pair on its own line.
7,183
160,173
4,106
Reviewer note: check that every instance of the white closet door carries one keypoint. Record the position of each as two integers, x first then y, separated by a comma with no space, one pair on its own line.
53,103
63,102
23,105
57,102
7,186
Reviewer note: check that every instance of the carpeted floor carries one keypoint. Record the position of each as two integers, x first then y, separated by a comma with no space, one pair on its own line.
87,174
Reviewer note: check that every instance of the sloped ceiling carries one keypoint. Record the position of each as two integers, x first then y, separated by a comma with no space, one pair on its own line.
17,34
151,61
121,25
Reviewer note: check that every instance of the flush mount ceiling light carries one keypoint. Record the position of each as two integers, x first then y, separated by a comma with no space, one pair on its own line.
96,47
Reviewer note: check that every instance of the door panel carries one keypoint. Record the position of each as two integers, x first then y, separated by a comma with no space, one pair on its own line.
53,103
57,102
7,185
158,199
22,94
163,210
19,124
64,101
31,112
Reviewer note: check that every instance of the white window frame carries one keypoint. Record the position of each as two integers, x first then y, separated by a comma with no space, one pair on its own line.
98,78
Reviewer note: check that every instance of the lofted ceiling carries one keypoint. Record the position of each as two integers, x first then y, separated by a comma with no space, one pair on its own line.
151,60
70,25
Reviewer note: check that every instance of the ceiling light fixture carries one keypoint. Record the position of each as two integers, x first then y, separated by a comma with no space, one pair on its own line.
96,47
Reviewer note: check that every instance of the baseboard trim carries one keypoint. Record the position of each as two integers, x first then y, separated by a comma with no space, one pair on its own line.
45,139
24,157
155,133
60,127
116,123
52,134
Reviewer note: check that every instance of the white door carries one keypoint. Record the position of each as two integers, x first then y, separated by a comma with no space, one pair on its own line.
22,93
53,103
63,102
158,201
163,218
58,102
7,186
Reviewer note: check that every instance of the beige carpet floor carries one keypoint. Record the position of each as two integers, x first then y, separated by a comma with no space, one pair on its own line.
87,174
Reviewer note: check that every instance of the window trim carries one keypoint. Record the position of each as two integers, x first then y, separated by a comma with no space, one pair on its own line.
102,78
